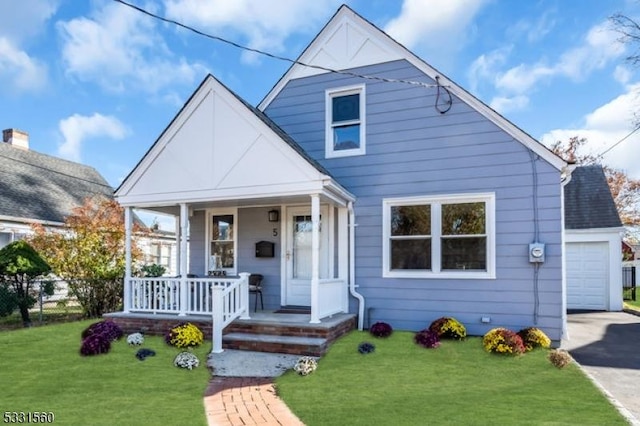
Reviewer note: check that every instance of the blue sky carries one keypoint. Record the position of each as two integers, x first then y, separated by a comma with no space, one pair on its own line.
96,82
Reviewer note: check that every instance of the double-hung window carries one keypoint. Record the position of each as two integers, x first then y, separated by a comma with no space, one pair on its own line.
222,243
440,237
345,121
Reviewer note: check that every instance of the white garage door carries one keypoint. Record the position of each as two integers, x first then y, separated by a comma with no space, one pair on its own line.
587,275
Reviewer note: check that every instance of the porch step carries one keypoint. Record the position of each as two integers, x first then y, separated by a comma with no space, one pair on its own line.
295,345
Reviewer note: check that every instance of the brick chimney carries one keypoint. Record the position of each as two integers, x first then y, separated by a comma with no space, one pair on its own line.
16,137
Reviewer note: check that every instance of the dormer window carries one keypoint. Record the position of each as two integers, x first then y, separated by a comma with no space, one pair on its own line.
345,117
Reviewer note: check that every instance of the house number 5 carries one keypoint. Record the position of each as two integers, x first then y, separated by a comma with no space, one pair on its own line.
275,232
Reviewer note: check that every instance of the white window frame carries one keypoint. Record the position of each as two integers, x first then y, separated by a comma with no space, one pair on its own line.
337,92
222,212
436,203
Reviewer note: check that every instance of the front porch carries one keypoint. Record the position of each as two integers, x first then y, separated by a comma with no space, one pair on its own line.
221,306
265,331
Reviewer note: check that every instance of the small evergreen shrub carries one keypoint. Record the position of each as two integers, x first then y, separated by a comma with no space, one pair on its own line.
95,344
448,328
559,358
427,338
503,341
366,348
143,353
185,335
381,329
533,337
107,328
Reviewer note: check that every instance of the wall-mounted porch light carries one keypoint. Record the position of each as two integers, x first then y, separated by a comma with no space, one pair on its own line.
274,215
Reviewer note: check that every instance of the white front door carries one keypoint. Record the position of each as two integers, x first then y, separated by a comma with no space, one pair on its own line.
298,254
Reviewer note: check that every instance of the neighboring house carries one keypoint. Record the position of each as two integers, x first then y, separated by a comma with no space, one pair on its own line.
593,236
398,196
39,188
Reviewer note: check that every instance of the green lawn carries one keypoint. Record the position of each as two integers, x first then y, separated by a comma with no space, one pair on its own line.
632,303
41,370
458,384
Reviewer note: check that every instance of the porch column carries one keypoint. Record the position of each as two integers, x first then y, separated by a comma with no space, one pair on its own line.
127,259
315,257
176,271
184,289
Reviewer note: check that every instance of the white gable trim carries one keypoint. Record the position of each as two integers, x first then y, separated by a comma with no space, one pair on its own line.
217,149
365,44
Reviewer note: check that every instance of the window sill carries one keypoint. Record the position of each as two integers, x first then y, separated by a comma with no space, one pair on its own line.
462,275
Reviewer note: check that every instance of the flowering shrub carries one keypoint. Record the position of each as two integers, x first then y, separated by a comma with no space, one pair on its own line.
135,339
143,353
305,366
366,348
427,338
381,329
448,328
503,341
108,328
186,360
559,358
95,344
533,337
185,335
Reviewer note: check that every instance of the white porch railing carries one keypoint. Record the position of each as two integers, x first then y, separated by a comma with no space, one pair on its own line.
332,297
225,299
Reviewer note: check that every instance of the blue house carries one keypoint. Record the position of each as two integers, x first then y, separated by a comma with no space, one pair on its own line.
365,183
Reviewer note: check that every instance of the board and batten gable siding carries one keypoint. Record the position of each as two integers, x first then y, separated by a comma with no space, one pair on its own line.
414,150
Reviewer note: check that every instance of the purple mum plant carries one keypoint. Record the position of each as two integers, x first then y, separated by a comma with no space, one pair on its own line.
109,329
381,329
95,344
427,338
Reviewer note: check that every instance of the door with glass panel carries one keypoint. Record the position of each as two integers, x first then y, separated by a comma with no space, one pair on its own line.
298,255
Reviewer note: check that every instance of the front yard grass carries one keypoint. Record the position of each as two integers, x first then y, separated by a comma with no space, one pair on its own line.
42,370
401,383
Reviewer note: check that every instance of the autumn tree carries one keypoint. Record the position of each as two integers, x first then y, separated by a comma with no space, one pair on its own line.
89,254
625,190
20,267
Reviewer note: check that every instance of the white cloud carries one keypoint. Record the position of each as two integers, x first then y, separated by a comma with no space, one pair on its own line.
120,49
76,129
533,30
433,24
18,71
24,19
604,127
599,48
264,24
506,104
485,66
622,74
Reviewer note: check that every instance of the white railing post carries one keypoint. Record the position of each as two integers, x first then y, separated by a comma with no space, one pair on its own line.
244,295
217,318
184,290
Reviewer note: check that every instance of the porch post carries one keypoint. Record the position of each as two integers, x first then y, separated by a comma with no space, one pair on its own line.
184,290
315,257
127,261
177,240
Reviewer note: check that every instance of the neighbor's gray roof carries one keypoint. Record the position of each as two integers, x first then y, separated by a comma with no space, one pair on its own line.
588,202
40,187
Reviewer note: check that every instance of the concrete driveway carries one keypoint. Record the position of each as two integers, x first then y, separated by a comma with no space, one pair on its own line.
607,346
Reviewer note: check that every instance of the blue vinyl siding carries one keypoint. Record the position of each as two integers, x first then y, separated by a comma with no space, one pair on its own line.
413,150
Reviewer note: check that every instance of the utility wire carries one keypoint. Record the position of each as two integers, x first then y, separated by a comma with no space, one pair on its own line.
599,156
281,58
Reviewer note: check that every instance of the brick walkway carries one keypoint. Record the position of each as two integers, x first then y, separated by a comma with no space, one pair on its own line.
240,401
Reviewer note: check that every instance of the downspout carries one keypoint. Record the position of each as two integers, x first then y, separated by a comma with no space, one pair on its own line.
352,266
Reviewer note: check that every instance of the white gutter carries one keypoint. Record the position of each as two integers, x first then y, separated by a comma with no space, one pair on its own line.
352,266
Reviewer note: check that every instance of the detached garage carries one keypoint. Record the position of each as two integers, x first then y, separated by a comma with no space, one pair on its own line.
593,261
